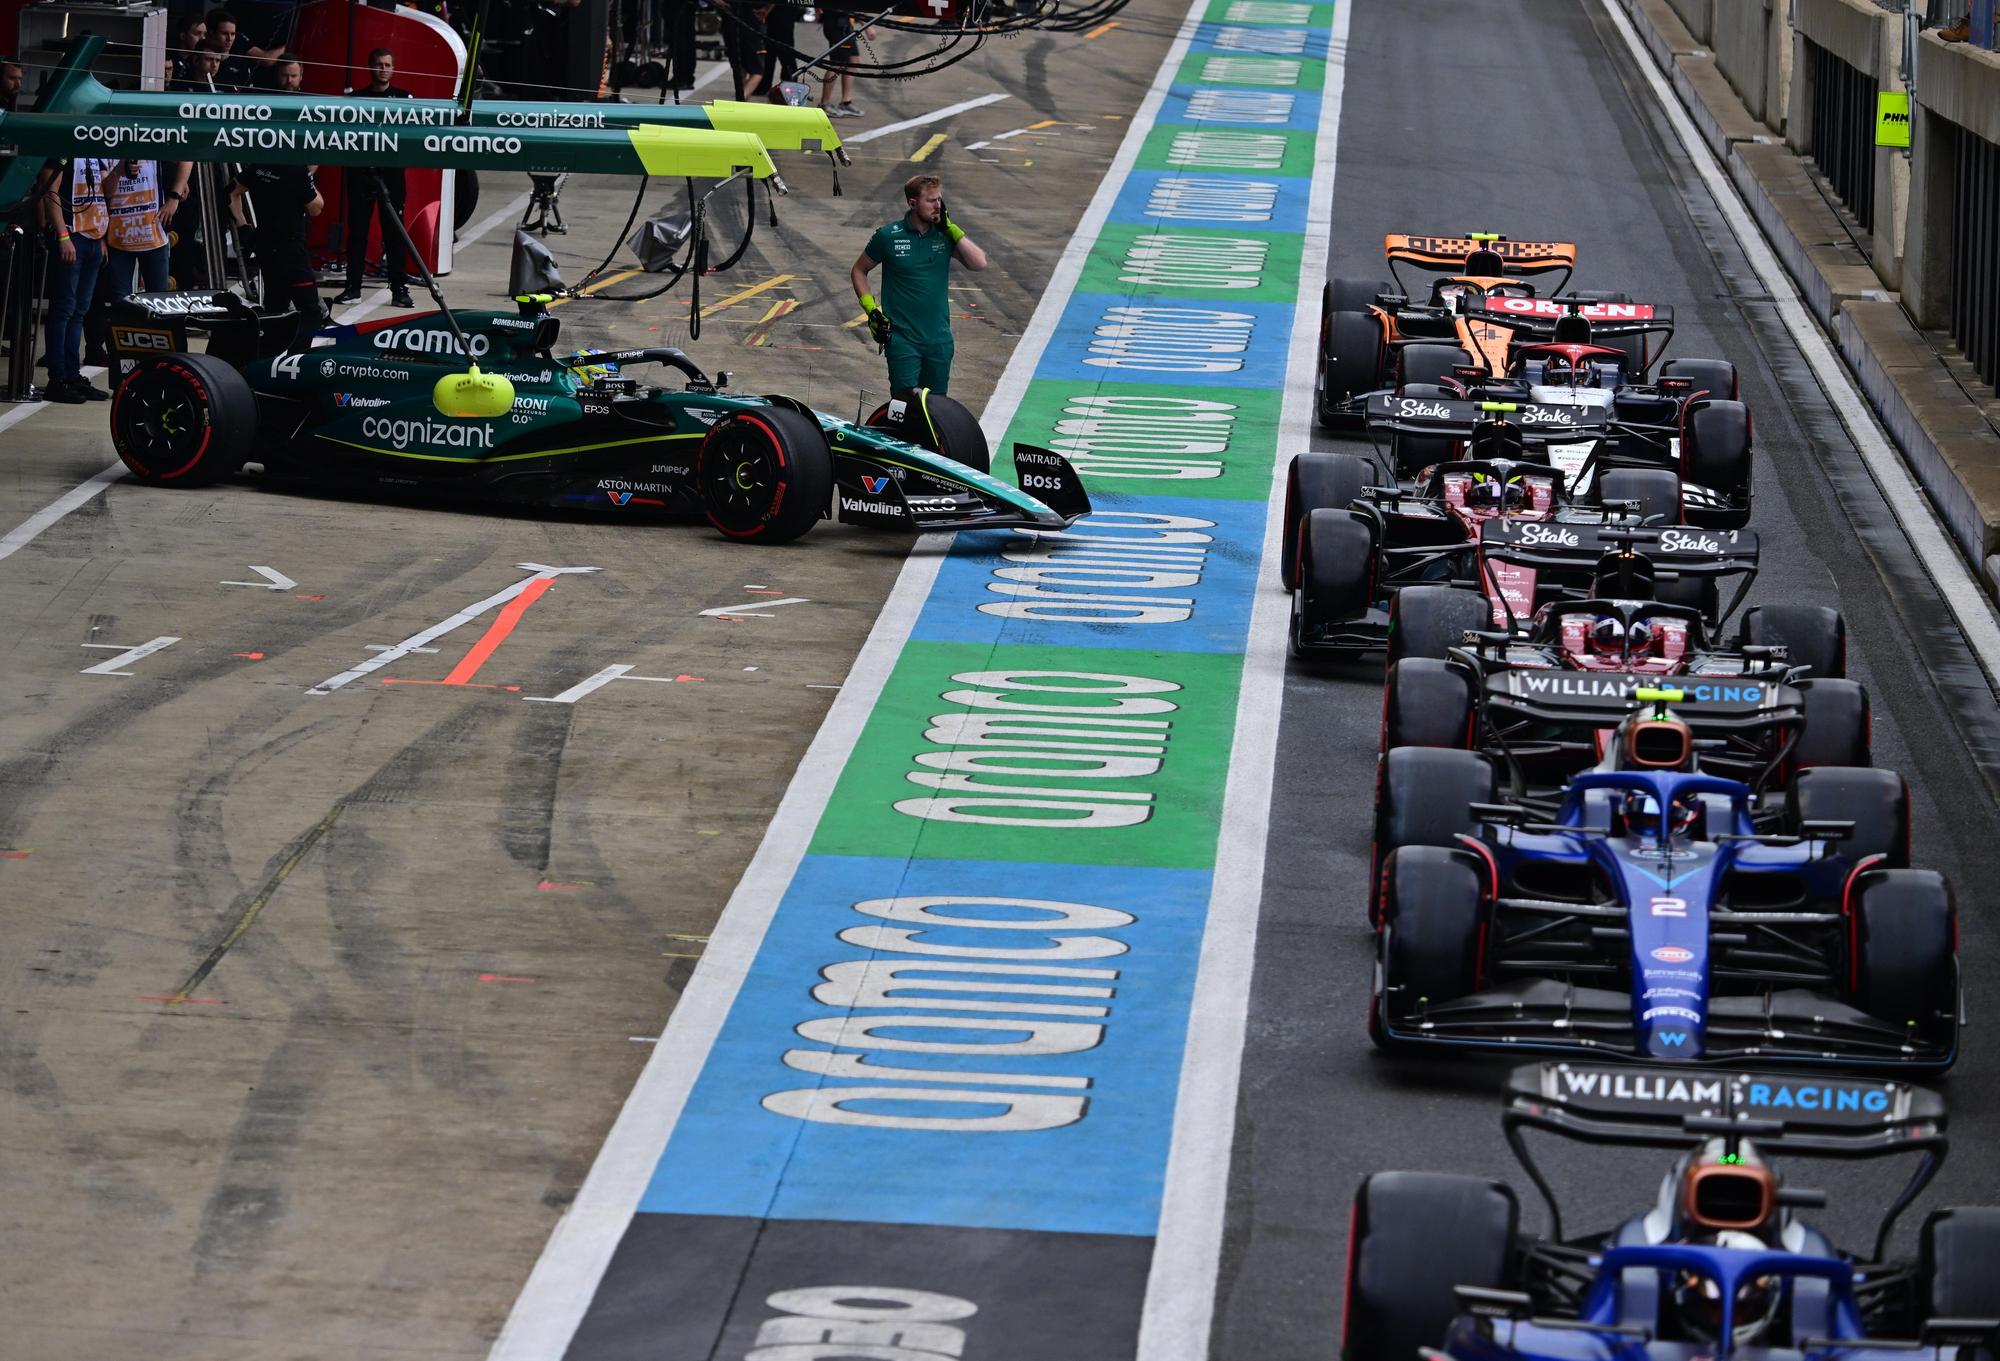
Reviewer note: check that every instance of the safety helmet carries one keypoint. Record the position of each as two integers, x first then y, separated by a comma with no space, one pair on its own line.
1612,637
1698,1299
1496,493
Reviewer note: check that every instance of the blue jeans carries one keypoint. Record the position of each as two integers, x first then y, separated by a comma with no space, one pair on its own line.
71,287
152,266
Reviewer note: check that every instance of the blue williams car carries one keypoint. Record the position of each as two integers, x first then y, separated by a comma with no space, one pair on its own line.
1721,1264
1655,911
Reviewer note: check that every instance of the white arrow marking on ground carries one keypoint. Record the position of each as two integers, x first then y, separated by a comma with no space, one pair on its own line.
617,671
418,642
749,611
126,656
274,580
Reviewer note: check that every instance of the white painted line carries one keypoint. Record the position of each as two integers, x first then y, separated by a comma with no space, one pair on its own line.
29,529
25,533
584,687
975,146
1187,1249
274,580
417,642
921,119
1961,591
1005,135
749,611
559,1290
128,655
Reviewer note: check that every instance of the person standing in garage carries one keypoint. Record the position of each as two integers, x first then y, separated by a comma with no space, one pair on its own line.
368,188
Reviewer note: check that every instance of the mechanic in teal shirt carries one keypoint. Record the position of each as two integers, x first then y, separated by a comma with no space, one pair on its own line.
913,320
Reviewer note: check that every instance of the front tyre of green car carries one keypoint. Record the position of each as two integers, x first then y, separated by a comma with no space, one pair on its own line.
183,420
764,476
933,421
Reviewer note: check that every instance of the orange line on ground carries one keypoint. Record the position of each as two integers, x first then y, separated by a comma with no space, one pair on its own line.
510,615
1100,30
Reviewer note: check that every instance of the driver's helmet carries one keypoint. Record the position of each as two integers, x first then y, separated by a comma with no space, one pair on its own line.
1613,638
591,373
1698,1300
1496,493
1558,370
1446,292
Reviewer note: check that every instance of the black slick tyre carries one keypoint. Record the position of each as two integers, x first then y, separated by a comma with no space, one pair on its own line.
1838,727
183,420
1336,568
1426,703
1433,905
1955,1257
1903,970
1715,453
933,421
764,476
1319,481
1352,295
1350,363
1417,1236
1428,621
1813,636
1711,377
1877,802
1424,798
1657,491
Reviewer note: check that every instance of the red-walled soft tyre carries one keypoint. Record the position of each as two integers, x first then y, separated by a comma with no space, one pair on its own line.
765,476
183,420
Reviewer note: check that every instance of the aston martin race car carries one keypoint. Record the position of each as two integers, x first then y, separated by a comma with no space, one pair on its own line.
389,405
1656,910
1724,1260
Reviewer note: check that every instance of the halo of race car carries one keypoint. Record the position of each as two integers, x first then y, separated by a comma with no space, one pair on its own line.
1621,822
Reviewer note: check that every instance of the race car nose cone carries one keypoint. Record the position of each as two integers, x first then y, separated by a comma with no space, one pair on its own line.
473,394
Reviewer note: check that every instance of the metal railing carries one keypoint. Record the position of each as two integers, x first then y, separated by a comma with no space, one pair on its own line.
1843,130
1975,251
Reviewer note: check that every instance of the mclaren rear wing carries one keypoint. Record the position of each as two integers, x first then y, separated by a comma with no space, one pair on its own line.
1446,254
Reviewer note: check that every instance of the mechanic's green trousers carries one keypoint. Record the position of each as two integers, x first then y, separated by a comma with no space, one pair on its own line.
919,366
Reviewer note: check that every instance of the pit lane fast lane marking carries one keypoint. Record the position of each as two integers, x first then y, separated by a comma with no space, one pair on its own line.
496,634
418,641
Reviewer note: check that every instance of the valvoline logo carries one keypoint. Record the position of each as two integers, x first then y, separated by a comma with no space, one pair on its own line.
875,485
1673,954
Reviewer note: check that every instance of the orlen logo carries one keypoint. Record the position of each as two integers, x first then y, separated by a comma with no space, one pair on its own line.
1545,307
427,342
1672,954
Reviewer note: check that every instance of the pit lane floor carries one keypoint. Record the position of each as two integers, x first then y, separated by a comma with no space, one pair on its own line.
1527,119
316,1007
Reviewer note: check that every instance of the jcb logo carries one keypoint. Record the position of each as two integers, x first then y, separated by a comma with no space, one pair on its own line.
130,338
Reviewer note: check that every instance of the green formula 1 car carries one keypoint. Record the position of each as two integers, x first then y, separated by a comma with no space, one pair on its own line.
390,405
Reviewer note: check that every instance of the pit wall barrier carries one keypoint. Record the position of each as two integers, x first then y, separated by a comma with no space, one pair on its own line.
1906,278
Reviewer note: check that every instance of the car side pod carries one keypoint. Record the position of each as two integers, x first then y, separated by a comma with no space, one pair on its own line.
473,395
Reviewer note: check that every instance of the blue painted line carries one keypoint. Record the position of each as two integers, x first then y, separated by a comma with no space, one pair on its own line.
1141,339
1137,599
1225,200
729,1155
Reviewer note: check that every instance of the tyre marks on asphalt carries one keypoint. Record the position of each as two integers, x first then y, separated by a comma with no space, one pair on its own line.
943,1024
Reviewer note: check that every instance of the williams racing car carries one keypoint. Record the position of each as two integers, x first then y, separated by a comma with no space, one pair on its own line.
1725,1260
384,405
1656,910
